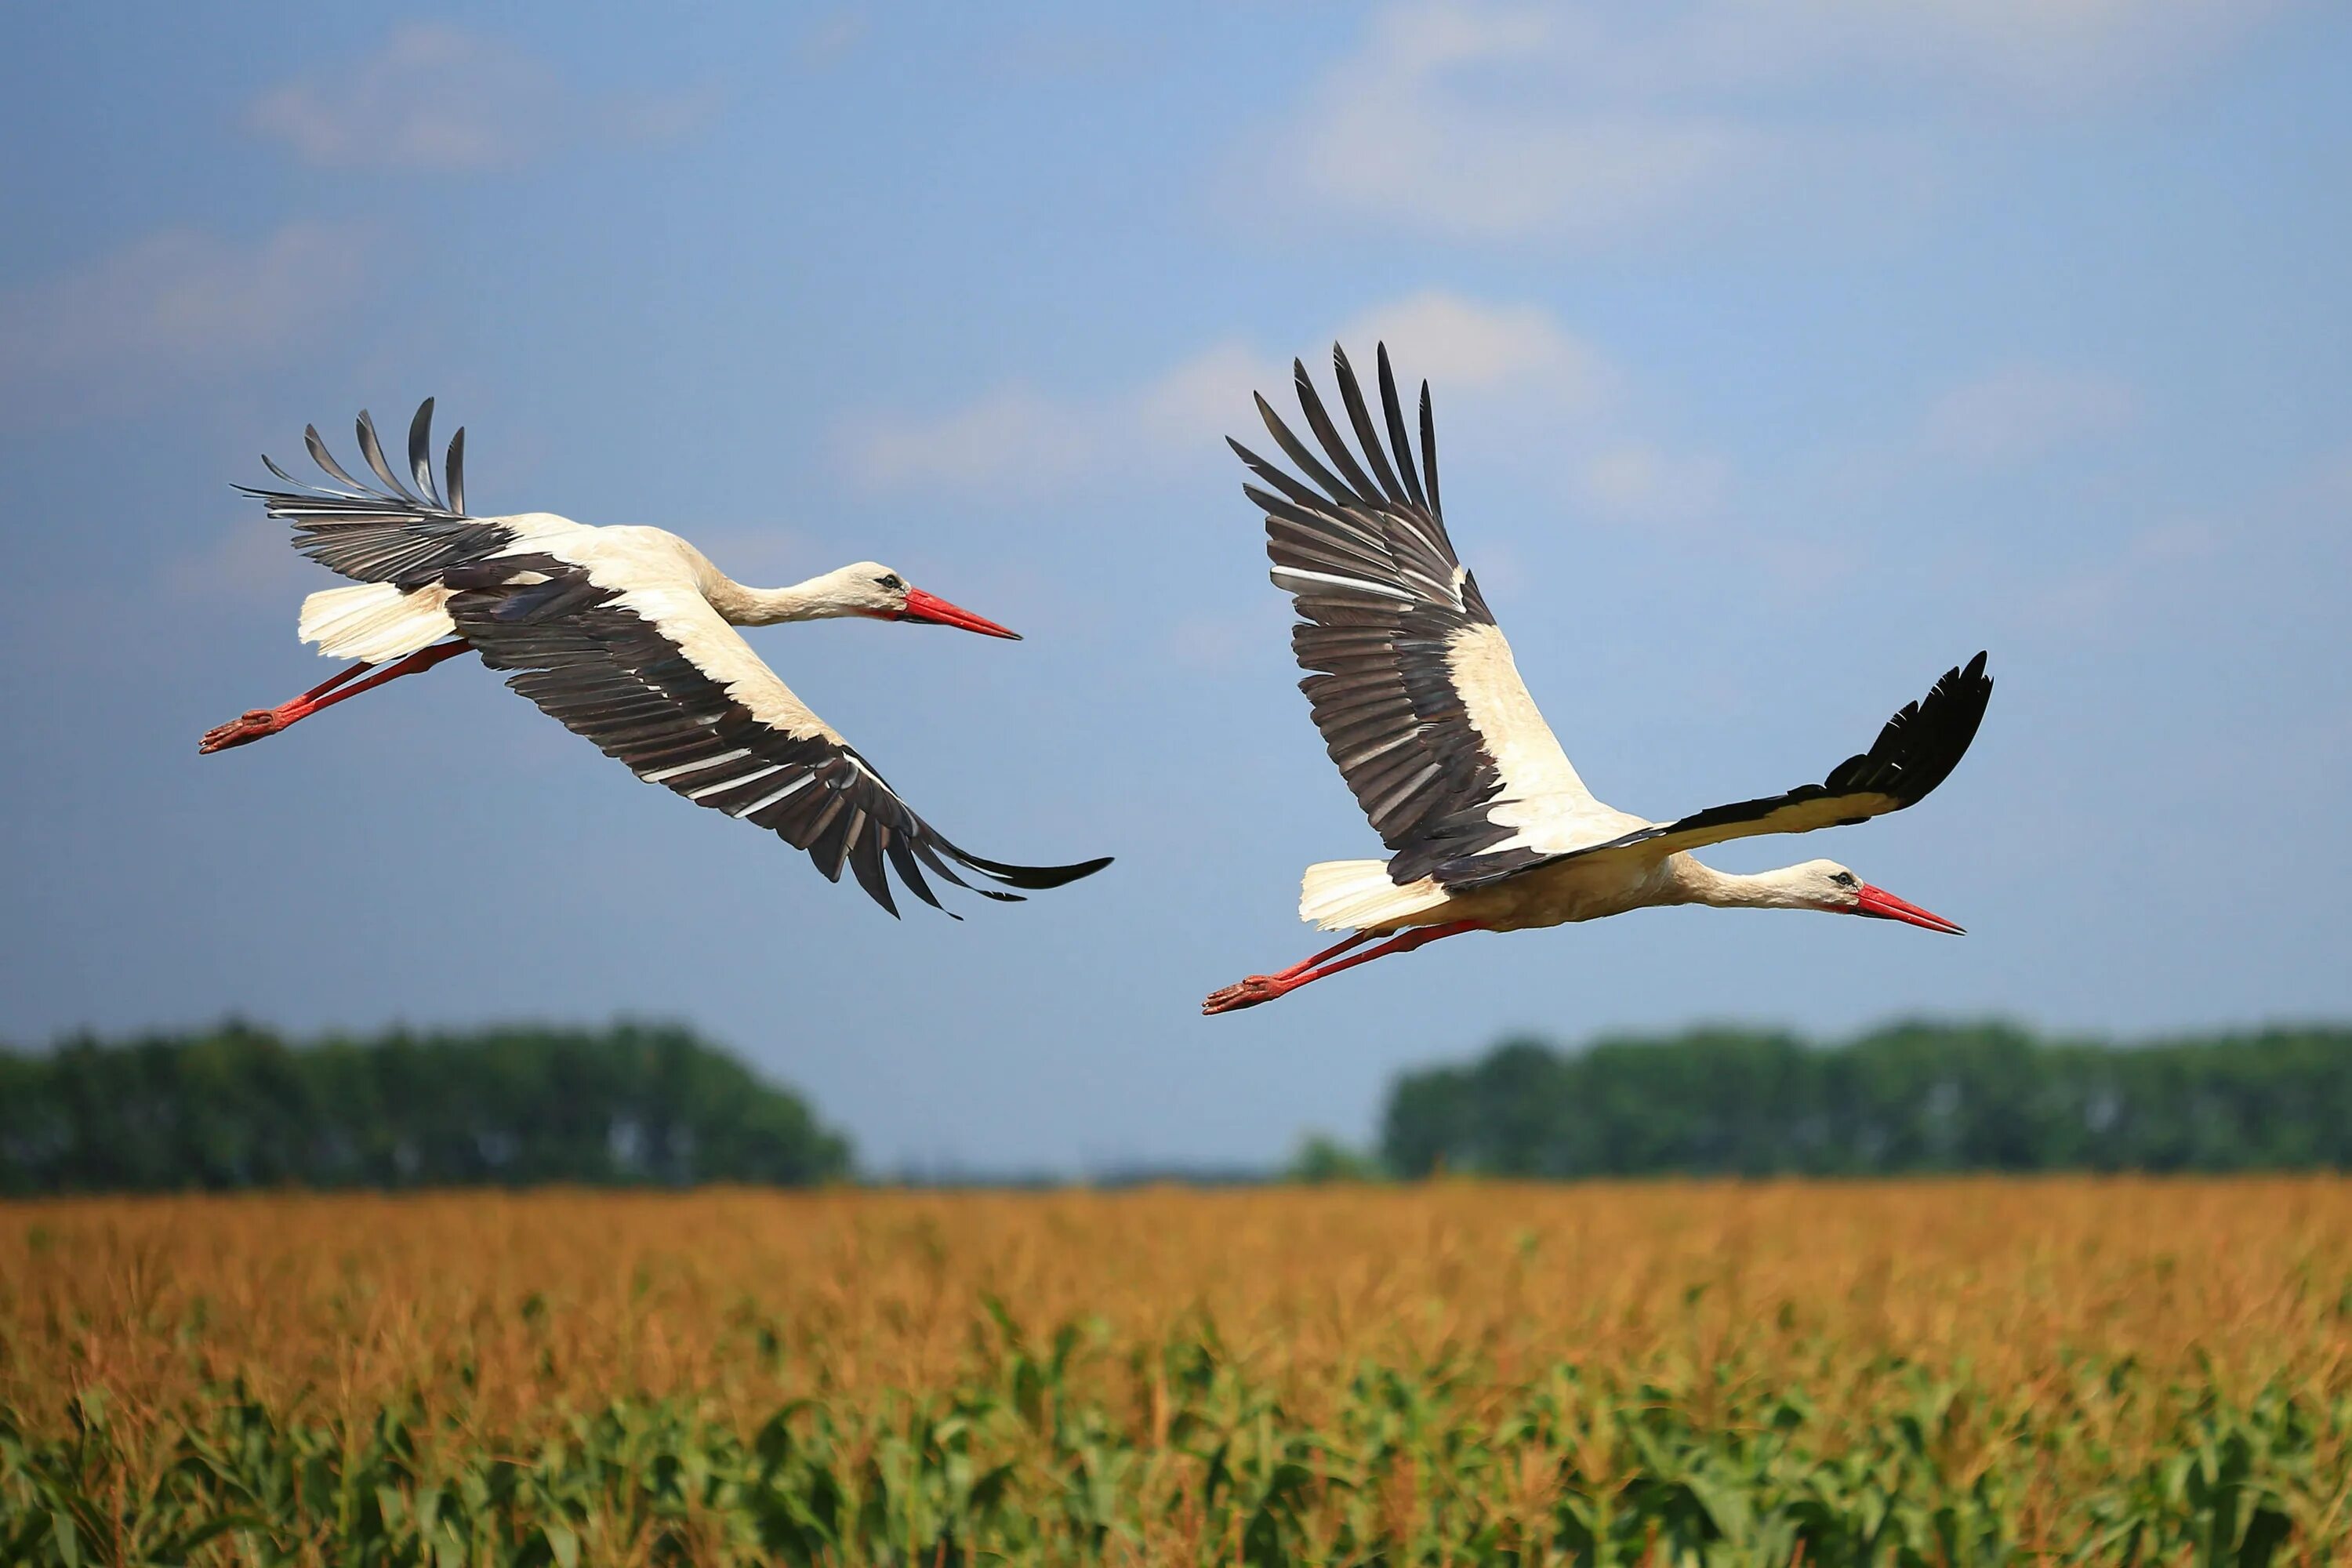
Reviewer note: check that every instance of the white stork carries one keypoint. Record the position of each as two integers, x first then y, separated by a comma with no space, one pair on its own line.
626,636
1419,703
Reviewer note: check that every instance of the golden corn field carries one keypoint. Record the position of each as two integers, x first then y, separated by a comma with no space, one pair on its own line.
1968,1371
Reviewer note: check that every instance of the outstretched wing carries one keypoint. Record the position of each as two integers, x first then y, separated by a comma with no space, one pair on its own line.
387,532
1410,680
657,679
1916,752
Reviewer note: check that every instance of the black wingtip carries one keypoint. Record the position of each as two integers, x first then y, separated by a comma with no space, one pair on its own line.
1035,879
454,467
1429,452
420,452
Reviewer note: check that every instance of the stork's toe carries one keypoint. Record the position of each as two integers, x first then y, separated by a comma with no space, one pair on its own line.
249,726
1248,993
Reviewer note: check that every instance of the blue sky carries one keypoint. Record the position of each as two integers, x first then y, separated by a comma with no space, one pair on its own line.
1783,356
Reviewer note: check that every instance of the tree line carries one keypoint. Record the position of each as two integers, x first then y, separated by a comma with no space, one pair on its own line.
238,1106
1911,1098
241,1106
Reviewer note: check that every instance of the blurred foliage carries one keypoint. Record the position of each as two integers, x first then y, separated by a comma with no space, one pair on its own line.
1320,1157
1910,1097
239,1107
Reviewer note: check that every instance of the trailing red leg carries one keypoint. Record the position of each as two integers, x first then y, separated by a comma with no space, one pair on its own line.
258,723
1260,988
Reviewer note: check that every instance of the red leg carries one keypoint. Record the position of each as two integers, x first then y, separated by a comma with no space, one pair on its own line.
1260,988
332,682
1334,950
260,721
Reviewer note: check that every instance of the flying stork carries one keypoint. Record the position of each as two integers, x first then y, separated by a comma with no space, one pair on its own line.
624,634
1488,826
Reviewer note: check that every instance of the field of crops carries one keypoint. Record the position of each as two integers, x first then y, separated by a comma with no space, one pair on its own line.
1954,1372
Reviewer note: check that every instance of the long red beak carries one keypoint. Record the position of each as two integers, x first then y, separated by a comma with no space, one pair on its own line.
1880,904
937,612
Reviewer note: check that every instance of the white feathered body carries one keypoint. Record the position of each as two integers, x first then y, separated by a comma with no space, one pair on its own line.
377,622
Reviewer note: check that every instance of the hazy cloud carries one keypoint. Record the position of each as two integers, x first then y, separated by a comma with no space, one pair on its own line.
1507,378
2024,411
830,39
438,97
1462,344
1639,482
1013,438
175,309
1586,121
1019,438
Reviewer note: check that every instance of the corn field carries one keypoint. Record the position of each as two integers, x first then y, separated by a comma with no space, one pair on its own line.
1962,1372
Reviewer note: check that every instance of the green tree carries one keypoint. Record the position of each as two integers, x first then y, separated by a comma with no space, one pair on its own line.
1910,1097
238,1107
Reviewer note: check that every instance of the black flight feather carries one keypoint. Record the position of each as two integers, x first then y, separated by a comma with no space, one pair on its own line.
324,459
1319,419
456,465
1360,418
373,451
1394,413
420,453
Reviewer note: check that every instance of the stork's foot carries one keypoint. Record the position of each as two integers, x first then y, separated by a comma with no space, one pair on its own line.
1248,993
248,727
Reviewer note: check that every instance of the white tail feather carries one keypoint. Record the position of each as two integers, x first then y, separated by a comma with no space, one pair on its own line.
1352,895
375,621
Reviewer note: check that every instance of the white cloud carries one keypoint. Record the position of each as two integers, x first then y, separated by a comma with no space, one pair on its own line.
1510,379
1583,122
1011,438
438,97
2024,411
1461,344
1017,438
1638,482
172,310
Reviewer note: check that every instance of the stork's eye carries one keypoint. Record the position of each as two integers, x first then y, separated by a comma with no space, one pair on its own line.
1845,879
890,582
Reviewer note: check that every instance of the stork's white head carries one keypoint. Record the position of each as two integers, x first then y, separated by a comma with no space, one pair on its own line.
870,588
1826,885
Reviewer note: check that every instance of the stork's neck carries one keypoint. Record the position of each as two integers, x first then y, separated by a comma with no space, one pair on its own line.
817,599
1693,883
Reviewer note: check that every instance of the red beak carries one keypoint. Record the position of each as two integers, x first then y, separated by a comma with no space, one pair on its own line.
1880,904
935,611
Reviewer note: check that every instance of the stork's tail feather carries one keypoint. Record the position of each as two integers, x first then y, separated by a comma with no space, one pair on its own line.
1352,895
373,622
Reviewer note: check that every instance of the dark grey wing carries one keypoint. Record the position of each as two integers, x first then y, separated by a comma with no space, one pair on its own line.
385,532
1916,752
1392,631
732,738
